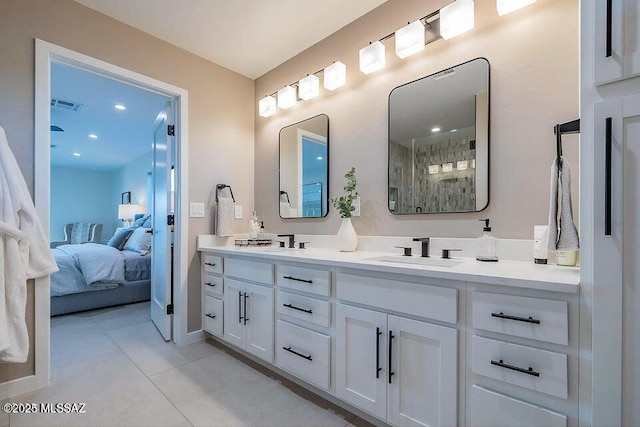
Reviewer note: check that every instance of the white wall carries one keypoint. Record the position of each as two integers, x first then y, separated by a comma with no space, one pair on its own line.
133,178
81,195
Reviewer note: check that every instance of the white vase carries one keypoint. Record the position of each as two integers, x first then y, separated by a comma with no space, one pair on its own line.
347,237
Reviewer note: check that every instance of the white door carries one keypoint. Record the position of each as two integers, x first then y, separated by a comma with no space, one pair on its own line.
424,359
609,40
233,317
257,306
161,297
361,356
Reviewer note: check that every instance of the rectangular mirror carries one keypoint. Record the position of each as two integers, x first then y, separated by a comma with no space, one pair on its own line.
439,142
304,168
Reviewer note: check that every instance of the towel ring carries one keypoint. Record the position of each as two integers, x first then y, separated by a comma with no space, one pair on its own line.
221,187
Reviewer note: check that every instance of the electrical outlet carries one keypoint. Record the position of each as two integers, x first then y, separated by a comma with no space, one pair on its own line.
356,205
196,210
238,212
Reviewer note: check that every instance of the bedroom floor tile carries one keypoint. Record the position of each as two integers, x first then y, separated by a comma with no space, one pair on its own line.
115,391
222,391
75,339
148,350
120,317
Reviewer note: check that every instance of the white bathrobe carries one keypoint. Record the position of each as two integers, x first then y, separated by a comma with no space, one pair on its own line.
24,254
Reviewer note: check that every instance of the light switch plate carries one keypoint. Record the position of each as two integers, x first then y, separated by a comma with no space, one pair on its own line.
238,212
196,210
356,204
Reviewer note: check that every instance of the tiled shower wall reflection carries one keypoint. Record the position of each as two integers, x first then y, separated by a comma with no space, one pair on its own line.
441,192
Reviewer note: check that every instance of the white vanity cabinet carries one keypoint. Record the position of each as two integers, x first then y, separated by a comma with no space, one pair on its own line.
212,269
399,369
617,39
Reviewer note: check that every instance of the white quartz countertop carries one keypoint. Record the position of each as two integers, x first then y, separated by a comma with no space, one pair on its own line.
506,273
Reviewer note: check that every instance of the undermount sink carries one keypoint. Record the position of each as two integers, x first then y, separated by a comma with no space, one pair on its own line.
435,262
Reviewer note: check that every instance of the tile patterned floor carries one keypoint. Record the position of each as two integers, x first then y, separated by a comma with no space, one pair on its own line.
117,362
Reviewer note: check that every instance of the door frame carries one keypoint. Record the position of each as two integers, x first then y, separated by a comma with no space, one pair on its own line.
45,53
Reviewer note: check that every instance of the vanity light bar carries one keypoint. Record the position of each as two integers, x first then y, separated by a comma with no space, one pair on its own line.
335,76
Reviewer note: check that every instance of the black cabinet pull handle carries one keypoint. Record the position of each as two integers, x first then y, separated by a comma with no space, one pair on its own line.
210,264
246,319
391,337
607,177
296,353
213,285
297,308
528,371
297,280
239,307
378,368
609,29
213,316
529,319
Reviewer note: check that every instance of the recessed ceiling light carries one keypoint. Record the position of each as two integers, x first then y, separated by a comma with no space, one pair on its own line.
76,154
319,157
93,136
453,130
436,129
120,107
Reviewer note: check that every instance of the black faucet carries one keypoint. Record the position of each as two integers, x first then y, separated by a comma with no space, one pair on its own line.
292,239
425,245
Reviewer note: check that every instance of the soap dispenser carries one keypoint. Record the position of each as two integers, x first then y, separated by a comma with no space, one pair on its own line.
254,226
486,244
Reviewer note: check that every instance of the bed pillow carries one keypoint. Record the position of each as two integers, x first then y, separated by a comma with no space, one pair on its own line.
140,221
148,223
120,238
139,241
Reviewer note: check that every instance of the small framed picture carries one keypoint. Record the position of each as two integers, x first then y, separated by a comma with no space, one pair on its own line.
126,198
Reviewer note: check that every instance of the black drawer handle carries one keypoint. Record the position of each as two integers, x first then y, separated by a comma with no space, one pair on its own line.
210,264
213,285
529,319
528,371
297,308
378,368
609,24
297,280
213,316
391,337
607,177
296,353
240,307
246,318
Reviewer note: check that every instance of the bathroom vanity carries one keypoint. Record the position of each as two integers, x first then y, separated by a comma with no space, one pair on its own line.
410,341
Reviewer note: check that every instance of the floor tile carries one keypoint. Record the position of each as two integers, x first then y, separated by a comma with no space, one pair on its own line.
116,393
4,417
222,391
123,316
144,345
75,339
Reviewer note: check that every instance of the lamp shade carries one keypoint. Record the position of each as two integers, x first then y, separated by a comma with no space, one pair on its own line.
128,212
456,18
372,57
410,39
335,75
309,87
508,6
267,106
287,97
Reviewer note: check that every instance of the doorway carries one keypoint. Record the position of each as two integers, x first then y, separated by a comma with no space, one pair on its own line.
175,312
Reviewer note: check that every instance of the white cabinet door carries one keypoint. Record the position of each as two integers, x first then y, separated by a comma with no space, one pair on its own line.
257,303
423,359
233,317
609,39
361,350
631,38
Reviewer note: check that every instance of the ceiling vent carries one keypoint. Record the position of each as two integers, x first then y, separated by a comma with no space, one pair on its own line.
65,105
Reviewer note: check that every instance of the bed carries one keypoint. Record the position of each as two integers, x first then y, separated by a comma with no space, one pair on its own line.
93,276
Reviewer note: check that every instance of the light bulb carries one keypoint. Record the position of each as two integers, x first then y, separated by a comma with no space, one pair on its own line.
372,57
267,106
456,18
410,39
287,97
309,87
335,75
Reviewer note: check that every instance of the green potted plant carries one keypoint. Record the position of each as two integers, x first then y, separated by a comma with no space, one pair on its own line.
347,237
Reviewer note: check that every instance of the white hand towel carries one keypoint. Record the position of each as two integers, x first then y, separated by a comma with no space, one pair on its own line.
285,210
225,215
561,233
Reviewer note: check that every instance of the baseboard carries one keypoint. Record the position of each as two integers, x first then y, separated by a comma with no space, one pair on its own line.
18,386
191,337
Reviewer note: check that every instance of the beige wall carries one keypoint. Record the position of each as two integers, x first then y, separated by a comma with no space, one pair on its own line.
220,106
534,84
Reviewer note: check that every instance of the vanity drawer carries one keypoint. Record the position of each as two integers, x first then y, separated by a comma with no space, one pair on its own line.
212,263
518,365
491,409
538,319
427,301
213,284
309,309
304,353
305,279
212,316
260,272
